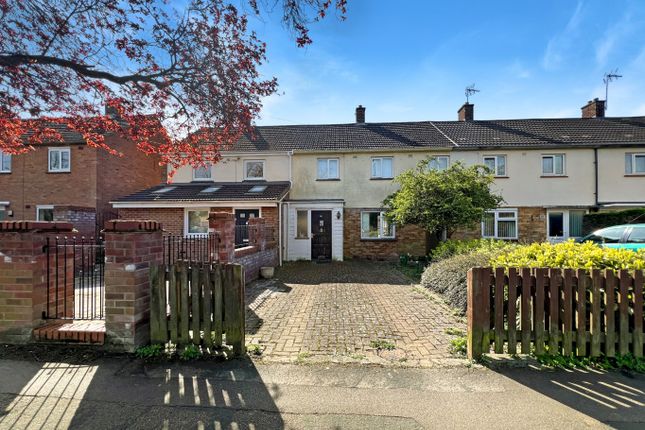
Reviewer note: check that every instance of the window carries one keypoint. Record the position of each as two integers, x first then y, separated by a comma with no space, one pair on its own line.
196,222
45,213
163,190
382,168
258,189
496,164
500,224
563,224
302,225
213,189
202,173
374,225
440,162
637,235
254,169
553,165
59,159
606,235
328,168
634,164
5,162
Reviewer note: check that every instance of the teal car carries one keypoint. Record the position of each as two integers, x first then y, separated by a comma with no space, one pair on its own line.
626,236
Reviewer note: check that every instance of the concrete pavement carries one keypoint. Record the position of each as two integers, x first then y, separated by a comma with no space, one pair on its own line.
241,394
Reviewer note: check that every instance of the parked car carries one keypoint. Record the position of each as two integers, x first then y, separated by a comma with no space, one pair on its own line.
627,236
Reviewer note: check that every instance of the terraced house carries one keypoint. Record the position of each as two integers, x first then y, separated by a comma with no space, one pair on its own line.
323,186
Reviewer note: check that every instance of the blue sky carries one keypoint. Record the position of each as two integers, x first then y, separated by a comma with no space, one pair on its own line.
530,59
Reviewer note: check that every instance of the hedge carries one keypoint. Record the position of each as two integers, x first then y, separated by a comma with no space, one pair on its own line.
594,221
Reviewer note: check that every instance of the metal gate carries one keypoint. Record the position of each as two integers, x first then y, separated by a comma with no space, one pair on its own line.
75,278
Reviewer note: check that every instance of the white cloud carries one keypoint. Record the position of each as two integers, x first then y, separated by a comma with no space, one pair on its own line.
559,44
613,34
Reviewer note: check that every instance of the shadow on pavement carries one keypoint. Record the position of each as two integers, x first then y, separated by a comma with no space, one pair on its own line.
125,394
614,398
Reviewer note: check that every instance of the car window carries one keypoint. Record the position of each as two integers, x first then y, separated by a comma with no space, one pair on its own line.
606,235
637,235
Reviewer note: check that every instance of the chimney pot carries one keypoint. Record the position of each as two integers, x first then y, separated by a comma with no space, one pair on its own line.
360,114
466,112
594,109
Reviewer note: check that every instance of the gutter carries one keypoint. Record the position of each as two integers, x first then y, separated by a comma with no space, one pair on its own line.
595,162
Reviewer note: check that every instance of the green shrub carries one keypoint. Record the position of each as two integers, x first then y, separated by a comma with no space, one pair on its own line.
190,352
594,221
450,248
149,352
570,255
448,276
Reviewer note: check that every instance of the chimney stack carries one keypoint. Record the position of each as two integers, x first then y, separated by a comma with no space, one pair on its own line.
360,115
466,112
594,109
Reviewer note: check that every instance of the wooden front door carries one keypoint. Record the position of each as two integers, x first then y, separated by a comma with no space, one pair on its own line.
321,235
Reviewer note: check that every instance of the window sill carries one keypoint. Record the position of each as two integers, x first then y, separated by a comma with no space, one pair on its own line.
627,175
378,239
554,176
5,172
254,180
59,171
328,180
501,177
381,179
301,238
500,238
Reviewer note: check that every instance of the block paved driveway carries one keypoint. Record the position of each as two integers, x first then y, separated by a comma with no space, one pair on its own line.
333,312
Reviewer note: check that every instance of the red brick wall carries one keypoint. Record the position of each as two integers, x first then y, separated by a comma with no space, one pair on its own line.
409,239
171,219
120,176
29,184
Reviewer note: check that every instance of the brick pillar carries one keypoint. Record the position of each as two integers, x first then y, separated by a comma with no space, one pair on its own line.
256,233
223,223
23,276
131,247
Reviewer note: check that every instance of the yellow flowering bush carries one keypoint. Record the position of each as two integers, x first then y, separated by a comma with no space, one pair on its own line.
571,255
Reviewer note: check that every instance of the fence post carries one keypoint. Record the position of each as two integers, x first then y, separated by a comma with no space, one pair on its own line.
478,301
223,223
23,276
131,248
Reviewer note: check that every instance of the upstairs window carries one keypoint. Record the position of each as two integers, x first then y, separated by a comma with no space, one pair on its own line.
635,164
5,162
202,173
254,169
374,225
59,159
500,224
328,168
440,162
496,164
382,168
553,165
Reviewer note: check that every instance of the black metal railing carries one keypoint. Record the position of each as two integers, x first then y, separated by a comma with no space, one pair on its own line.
75,278
204,249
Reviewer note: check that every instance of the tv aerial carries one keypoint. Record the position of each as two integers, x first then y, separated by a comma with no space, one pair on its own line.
470,91
609,77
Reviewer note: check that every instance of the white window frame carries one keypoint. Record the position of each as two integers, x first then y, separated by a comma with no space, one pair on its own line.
327,177
633,156
381,236
498,219
381,159
437,158
308,219
60,152
45,207
209,168
246,162
4,156
552,157
496,158
565,225
186,232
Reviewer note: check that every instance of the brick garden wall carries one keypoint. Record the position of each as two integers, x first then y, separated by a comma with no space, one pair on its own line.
409,239
254,261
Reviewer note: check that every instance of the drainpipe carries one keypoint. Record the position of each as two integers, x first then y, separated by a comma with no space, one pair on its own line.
595,162
280,235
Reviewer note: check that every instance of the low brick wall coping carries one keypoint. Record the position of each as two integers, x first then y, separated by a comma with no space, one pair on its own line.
124,225
44,226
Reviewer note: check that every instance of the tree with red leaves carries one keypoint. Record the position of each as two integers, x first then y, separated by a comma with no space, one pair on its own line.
163,74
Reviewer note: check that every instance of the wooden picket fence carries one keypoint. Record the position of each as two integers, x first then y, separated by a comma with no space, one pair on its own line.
554,311
198,303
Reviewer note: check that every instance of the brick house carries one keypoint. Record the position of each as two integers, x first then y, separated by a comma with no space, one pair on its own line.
70,181
550,172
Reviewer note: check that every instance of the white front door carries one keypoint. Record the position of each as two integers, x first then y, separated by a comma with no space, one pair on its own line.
562,224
